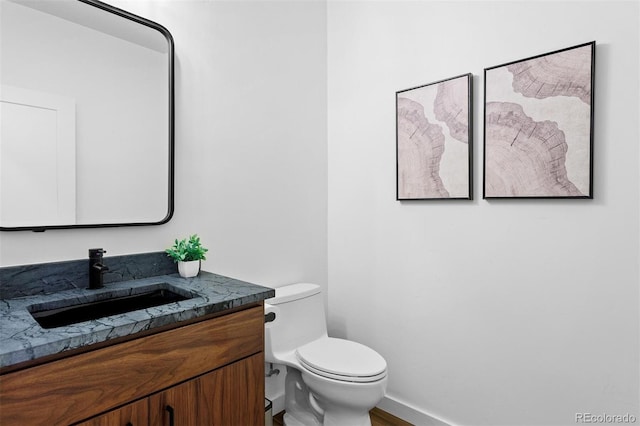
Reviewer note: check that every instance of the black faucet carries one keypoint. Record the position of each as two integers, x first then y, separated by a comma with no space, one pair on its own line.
96,268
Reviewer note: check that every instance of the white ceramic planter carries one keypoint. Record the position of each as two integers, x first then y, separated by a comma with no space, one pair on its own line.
189,269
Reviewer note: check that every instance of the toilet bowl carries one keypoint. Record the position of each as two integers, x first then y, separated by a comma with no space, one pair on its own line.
330,381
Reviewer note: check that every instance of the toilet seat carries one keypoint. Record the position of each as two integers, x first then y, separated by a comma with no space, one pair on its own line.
342,360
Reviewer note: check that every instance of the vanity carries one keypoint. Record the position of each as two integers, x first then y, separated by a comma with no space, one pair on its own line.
197,361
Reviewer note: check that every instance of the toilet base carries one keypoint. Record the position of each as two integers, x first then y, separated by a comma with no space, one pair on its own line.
345,403
290,420
303,408
298,410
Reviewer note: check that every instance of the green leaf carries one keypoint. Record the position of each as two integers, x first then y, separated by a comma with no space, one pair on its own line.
187,249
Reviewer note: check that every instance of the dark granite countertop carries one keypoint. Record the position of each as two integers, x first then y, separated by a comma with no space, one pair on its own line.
22,339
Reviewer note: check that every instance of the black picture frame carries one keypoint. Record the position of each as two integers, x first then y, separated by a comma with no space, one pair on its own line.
433,120
538,126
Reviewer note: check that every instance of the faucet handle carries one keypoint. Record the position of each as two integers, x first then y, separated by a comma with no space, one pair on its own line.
96,252
100,267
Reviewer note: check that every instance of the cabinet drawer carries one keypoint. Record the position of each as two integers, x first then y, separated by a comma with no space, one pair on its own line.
78,387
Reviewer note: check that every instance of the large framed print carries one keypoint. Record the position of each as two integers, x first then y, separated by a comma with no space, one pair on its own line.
434,143
538,126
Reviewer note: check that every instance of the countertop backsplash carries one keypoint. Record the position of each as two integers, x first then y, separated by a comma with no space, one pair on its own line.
47,278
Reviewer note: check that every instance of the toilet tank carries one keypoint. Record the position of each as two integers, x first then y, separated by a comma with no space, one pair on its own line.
299,319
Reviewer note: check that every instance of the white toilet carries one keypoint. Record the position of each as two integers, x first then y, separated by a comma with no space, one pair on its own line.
332,382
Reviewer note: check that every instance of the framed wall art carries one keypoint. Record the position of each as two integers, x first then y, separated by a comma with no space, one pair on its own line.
434,144
538,126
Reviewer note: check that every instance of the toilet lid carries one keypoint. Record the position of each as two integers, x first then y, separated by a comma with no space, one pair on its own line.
342,360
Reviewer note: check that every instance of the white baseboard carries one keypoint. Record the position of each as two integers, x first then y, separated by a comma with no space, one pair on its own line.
410,414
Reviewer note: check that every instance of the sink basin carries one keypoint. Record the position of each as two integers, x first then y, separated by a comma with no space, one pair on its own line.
53,315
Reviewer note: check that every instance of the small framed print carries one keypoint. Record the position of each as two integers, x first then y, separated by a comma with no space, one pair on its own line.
538,126
434,143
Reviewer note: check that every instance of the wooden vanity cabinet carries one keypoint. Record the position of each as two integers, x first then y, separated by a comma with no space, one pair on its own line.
212,399
207,373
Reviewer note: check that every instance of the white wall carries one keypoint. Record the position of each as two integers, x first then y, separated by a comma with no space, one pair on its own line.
488,313
250,145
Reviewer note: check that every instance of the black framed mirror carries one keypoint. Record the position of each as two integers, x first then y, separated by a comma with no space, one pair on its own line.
87,113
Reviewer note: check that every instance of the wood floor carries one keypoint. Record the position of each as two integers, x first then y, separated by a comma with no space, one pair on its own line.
382,418
378,418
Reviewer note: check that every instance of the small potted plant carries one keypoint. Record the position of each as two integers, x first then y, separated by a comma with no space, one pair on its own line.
188,253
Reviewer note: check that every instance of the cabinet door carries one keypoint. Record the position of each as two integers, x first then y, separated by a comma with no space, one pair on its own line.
230,396
134,414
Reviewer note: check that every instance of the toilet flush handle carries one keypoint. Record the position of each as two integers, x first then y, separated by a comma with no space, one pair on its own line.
271,316
270,313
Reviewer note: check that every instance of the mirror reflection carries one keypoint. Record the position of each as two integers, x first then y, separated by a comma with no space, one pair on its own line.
86,116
